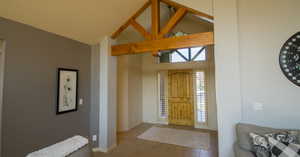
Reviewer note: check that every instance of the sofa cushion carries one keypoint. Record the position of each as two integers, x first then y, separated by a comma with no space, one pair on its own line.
297,134
260,141
243,131
260,145
298,137
284,137
284,149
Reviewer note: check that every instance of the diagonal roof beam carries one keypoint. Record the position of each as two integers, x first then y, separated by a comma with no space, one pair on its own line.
133,17
173,22
140,29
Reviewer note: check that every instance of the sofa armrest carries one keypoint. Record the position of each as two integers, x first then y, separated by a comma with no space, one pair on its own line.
239,152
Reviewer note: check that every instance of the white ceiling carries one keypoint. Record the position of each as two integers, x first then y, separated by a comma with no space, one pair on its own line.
86,21
83,20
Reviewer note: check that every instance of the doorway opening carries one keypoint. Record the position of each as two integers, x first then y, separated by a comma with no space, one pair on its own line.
184,103
165,72
180,97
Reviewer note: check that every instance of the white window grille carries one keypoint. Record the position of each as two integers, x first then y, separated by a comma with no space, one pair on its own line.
163,98
201,97
183,55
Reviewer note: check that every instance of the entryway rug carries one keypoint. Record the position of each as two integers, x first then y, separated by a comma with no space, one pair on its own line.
185,138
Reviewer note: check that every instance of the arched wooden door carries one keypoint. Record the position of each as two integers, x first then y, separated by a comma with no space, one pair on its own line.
181,97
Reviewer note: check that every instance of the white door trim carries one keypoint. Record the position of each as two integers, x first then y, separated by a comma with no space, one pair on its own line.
2,63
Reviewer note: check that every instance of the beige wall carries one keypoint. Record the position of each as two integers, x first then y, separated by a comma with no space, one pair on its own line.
135,90
129,92
262,33
251,34
227,73
122,107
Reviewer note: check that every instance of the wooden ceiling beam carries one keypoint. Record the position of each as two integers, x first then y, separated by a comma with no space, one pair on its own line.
155,31
194,40
155,21
128,22
193,11
173,22
141,29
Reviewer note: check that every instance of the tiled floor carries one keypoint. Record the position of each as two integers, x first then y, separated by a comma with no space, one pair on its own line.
130,146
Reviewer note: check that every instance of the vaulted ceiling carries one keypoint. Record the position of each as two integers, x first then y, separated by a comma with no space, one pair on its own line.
86,21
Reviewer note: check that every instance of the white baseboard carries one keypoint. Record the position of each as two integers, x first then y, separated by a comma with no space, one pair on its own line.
160,122
104,150
96,149
195,126
157,122
205,127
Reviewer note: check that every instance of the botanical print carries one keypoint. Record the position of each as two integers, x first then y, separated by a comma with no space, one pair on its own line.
67,97
67,90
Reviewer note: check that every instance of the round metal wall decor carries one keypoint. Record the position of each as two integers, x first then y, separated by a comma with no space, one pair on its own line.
289,59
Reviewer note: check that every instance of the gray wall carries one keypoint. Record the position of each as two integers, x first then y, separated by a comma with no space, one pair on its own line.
32,58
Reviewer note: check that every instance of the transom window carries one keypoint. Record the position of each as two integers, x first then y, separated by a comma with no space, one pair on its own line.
183,55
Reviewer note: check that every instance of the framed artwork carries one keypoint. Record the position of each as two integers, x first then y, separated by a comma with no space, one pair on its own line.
67,90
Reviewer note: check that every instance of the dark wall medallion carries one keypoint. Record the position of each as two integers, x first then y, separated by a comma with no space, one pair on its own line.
289,59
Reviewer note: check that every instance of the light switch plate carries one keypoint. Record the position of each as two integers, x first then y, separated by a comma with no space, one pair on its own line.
257,106
94,138
80,101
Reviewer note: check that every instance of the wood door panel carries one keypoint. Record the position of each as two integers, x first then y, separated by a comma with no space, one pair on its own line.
181,104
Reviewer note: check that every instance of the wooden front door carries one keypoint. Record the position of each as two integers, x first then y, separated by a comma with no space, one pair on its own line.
181,101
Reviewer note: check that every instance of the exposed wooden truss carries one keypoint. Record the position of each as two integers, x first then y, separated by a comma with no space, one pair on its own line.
155,40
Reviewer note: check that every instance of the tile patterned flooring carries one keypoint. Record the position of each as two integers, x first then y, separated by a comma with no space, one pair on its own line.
130,146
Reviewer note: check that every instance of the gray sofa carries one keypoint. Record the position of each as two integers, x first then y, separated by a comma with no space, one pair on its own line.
243,144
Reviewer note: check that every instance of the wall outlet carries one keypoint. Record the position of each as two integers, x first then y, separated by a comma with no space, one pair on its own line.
80,101
94,138
258,106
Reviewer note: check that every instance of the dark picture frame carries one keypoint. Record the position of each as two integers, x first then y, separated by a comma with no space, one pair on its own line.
67,90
